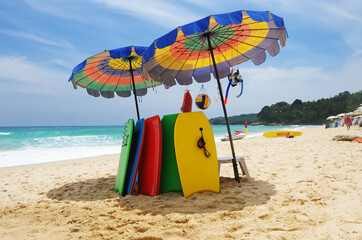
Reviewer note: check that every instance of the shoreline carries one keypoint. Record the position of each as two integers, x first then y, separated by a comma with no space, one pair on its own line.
25,157
61,162
303,186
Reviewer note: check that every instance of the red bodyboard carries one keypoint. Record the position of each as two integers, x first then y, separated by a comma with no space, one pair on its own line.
149,169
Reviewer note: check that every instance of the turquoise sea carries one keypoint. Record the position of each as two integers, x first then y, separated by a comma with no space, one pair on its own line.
31,145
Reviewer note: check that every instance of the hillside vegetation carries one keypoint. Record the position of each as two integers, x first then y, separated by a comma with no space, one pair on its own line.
299,112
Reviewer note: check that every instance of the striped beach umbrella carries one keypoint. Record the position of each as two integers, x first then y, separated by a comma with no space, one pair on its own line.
113,71
213,45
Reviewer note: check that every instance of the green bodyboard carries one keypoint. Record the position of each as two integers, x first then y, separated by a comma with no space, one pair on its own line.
125,153
170,179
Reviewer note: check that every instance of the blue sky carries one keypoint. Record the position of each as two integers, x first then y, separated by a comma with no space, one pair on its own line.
42,40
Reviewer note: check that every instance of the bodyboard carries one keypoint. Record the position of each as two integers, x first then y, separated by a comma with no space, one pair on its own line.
133,162
150,162
123,159
170,179
198,173
274,134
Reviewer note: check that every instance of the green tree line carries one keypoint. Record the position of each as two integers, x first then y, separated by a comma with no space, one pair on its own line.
299,112
235,120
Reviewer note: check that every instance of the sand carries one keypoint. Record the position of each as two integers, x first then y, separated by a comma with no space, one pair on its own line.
308,187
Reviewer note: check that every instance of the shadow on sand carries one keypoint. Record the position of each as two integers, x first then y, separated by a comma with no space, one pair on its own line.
232,197
88,190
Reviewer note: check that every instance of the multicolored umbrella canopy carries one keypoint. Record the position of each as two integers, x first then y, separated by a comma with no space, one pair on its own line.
113,71
235,37
213,45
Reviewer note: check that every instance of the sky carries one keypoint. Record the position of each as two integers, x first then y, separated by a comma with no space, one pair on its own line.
41,41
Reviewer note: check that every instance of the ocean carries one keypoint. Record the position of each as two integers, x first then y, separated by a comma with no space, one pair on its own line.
32,145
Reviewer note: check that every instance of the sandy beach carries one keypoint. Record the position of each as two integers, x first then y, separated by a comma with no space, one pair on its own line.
308,187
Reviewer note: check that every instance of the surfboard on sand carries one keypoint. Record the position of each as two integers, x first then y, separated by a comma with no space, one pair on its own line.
133,161
275,134
123,159
198,167
150,163
170,179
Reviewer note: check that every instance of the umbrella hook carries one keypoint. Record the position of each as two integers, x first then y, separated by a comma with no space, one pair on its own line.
201,144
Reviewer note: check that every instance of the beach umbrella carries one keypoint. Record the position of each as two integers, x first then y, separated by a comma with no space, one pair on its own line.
341,115
113,71
357,112
331,117
213,45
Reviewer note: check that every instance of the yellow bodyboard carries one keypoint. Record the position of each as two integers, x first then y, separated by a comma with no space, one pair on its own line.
198,173
275,134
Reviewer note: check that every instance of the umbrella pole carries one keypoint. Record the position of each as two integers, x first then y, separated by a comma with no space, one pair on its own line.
134,89
235,166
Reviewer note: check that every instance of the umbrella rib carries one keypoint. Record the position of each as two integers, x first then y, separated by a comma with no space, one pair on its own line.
221,52
244,42
97,69
105,83
250,36
223,31
183,64
119,77
104,65
88,77
232,48
198,53
240,52
120,74
118,67
137,70
217,41
180,53
147,83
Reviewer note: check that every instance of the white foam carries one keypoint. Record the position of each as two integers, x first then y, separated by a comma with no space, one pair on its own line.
41,155
5,133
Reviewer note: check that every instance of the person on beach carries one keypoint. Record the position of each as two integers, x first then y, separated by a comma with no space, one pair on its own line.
348,122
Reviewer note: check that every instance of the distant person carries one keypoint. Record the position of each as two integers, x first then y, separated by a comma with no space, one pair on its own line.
348,122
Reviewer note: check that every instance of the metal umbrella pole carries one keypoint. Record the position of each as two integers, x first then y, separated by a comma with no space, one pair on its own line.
134,88
235,166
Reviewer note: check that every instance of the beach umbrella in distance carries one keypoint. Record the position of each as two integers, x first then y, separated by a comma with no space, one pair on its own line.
213,45
331,117
113,71
341,115
357,112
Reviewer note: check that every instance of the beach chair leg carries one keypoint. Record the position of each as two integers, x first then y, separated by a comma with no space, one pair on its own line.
243,167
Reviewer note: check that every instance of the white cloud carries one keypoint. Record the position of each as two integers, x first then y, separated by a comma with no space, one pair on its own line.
61,8
343,17
269,85
18,74
81,11
161,12
35,38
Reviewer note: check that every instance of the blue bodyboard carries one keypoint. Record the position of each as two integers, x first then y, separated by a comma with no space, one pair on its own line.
133,162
